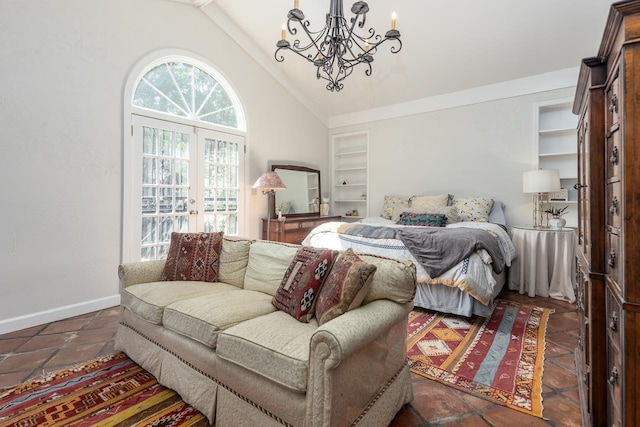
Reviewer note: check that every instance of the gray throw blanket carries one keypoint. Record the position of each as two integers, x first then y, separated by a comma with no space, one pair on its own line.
439,249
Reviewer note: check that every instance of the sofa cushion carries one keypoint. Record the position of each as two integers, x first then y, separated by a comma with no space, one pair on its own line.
202,318
345,287
268,262
148,300
394,280
298,291
193,256
275,346
234,256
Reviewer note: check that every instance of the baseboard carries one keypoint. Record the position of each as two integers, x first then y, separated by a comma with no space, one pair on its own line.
55,314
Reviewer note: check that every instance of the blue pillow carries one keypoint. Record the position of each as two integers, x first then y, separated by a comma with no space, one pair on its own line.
423,219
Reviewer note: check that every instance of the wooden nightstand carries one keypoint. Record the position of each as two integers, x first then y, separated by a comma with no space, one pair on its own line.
293,230
545,264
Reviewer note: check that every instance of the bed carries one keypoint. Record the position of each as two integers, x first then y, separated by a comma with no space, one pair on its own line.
476,272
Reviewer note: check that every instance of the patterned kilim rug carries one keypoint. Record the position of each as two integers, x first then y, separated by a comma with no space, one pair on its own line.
110,391
500,359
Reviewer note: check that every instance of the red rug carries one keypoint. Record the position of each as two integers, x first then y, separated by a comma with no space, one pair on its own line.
500,359
110,391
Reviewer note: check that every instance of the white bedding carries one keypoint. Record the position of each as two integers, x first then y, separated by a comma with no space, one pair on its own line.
468,288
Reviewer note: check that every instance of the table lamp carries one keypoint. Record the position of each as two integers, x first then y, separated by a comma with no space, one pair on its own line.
540,182
269,182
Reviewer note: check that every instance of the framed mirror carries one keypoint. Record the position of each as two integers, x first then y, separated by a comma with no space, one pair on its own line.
302,196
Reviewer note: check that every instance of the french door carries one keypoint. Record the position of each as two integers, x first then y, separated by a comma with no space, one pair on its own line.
188,180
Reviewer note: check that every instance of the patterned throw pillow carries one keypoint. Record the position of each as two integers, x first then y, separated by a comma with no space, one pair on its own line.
427,203
424,219
298,291
474,208
345,287
193,256
451,212
394,204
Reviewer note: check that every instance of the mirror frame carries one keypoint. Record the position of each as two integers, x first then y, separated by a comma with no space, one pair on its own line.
272,200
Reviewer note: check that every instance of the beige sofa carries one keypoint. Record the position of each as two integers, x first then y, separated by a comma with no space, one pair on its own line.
228,352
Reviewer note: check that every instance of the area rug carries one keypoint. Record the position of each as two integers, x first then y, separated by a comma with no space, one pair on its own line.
500,359
110,391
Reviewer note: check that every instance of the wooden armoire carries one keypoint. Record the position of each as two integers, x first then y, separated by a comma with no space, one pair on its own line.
608,286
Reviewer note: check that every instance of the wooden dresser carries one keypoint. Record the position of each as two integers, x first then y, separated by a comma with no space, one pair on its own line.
608,290
293,230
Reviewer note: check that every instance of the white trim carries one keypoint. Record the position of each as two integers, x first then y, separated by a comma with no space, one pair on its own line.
528,85
55,314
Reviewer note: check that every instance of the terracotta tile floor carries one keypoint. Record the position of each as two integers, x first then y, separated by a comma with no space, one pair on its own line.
45,348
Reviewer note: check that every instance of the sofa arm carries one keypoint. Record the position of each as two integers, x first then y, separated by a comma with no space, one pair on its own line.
133,273
367,342
347,333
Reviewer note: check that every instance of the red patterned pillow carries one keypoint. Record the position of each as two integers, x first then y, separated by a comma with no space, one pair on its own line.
302,281
193,256
345,288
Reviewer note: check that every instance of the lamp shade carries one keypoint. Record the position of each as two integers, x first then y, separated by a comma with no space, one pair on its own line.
541,181
269,181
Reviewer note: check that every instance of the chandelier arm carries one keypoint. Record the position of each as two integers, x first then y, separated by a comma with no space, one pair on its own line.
393,49
314,38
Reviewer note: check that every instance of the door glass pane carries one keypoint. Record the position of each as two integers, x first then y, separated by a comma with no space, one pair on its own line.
149,200
165,190
221,186
149,170
149,227
150,141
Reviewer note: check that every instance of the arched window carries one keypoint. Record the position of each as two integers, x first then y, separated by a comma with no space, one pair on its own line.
186,156
185,90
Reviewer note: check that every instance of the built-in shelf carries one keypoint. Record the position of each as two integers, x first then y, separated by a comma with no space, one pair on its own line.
556,130
351,153
350,165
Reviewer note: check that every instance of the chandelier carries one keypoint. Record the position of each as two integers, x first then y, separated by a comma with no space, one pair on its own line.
336,49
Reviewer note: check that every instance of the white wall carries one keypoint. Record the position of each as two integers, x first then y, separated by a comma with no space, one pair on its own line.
479,149
64,68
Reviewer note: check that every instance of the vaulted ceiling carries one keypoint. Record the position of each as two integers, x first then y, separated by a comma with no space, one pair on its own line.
448,45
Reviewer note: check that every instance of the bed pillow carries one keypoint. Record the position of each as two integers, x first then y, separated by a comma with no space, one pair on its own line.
423,219
298,291
474,208
394,204
345,288
193,256
497,213
427,203
451,212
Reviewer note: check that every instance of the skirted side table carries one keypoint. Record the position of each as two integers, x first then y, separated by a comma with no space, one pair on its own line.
546,262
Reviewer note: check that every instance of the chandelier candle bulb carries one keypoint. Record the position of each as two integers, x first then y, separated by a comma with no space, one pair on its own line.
394,17
284,31
296,4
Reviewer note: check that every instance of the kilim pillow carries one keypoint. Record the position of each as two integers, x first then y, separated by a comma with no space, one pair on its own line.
302,281
345,287
193,256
